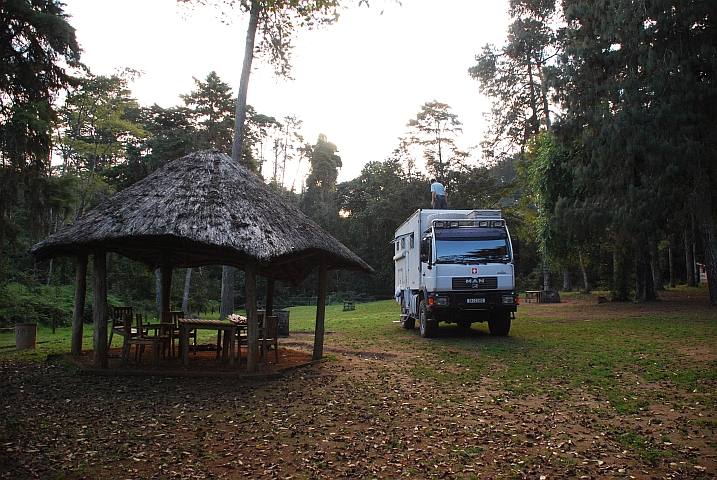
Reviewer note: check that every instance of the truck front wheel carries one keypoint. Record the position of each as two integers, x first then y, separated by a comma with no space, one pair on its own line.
428,326
499,324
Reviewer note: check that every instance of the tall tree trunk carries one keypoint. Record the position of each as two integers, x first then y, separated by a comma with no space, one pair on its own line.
586,283
566,280
52,230
616,272
689,258
238,143
534,122
166,289
621,291
185,297
695,270
49,274
546,273
227,301
644,284
671,257
544,96
227,304
707,233
709,245
656,267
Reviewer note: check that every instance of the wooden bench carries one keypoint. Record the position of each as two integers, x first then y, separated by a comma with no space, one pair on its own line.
531,295
542,296
349,305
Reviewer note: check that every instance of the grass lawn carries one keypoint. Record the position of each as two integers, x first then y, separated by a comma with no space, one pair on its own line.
578,389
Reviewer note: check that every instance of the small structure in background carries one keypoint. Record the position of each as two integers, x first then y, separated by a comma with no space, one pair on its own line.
542,296
25,336
702,269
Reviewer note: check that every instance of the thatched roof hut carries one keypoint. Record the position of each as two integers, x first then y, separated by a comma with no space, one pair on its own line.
202,209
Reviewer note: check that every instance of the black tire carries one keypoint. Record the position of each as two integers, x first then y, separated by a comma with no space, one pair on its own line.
426,323
499,324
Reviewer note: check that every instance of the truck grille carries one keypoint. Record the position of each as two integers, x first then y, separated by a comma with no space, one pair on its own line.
475,283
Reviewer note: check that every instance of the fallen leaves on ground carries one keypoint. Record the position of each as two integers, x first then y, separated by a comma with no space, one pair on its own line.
362,414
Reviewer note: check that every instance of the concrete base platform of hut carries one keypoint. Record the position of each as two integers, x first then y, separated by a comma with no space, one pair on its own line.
203,364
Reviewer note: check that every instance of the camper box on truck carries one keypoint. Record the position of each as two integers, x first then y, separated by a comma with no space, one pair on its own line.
455,266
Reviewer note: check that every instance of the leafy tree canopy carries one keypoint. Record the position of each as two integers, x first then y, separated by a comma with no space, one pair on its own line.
36,45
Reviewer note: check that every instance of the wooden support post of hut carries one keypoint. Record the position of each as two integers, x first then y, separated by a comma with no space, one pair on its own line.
78,313
99,307
166,298
320,314
270,295
252,327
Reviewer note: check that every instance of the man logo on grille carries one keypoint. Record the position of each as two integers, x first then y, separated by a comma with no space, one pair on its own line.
475,282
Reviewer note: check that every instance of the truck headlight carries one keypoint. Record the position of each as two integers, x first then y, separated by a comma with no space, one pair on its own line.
508,300
442,301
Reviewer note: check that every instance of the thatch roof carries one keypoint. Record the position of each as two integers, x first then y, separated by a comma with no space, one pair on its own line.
204,209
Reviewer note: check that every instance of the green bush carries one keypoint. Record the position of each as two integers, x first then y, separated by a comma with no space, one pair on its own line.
42,304
36,304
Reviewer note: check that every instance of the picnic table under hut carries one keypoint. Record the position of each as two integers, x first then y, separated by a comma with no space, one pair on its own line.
202,209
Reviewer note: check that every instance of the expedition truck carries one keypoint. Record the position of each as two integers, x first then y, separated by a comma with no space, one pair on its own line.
455,266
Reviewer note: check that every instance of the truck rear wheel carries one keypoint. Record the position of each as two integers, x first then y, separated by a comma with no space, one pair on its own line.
499,324
428,326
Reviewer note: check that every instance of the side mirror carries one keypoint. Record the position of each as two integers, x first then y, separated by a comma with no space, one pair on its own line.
516,249
424,250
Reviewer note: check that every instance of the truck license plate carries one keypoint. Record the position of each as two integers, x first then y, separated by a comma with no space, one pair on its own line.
475,300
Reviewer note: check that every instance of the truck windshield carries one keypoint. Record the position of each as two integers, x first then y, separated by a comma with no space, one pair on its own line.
466,248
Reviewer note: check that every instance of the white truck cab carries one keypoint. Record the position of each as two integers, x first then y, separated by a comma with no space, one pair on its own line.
455,266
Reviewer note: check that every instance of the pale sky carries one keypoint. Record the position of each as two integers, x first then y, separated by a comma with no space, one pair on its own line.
358,81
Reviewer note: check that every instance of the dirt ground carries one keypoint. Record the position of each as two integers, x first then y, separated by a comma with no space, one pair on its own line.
360,414
204,363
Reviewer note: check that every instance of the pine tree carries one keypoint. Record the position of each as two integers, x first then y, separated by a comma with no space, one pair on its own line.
516,77
320,202
37,44
212,108
639,93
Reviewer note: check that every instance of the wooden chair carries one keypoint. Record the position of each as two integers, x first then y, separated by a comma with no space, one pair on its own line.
270,336
243,341
171,318
139,337
120,316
